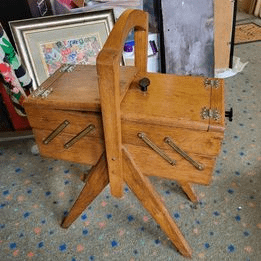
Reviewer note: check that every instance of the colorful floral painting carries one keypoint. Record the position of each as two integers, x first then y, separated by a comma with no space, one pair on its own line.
83,50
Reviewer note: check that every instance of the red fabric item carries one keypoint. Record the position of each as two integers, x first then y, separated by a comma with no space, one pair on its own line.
68,3
19,123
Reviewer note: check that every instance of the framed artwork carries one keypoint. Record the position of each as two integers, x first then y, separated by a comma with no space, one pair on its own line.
46,43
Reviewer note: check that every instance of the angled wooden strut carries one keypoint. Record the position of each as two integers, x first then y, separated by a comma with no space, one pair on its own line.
97,180
188,189
143,189
118,158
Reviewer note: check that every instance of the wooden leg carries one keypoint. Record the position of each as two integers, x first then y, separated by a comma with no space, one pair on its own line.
97,181
84,177
188,189
143,189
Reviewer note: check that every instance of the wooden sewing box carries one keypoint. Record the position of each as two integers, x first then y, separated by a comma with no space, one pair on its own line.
149,124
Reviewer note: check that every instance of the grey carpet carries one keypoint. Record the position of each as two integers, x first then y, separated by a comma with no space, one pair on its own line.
36,193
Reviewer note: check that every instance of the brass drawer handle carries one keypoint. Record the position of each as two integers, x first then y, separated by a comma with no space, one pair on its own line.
153,146
56,132
197,165
79,136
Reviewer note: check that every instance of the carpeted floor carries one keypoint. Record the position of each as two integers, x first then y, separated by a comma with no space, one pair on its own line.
36,193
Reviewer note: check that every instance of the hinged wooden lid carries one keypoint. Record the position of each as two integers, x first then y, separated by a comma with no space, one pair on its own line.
175,101
76,90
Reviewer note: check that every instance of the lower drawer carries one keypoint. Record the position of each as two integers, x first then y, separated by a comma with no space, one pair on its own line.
87,150
152,164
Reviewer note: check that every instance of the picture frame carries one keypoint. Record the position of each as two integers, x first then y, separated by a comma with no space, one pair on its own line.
47,42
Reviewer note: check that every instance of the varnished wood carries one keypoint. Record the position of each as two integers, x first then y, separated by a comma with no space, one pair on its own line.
252,6
141,46
171,100
192,141
112,101
152,164
188,189
108,68
110,104
98,179
150,200
87,150
257,11
223,20
78,90
48,119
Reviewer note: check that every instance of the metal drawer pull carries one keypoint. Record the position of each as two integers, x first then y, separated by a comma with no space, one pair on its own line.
153,146
79,136
56,132
199,166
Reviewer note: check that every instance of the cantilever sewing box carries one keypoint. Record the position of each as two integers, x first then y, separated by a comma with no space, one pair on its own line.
149,124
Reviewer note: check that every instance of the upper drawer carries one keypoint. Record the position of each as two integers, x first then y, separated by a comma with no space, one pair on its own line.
47,119
192,141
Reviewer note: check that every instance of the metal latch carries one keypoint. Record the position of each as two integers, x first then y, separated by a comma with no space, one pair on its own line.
212,83
210,114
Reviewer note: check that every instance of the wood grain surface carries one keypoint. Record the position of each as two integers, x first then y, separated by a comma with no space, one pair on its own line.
87,150
97,180
152,164
150,200
171,100
223,23
78,90
192,141
41,117
108,62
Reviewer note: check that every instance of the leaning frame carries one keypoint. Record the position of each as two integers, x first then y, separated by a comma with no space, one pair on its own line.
21,29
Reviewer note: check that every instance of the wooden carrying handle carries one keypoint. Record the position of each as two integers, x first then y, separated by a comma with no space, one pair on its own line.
111,52
108,70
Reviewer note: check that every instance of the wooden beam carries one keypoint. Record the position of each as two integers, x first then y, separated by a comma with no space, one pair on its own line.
144,191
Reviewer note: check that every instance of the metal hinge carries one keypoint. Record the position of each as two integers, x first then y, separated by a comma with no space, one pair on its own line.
210,114
42,92
213,83
68,68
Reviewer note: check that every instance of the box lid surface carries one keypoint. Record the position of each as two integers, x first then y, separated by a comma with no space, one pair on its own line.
171,100
77,90
176,101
